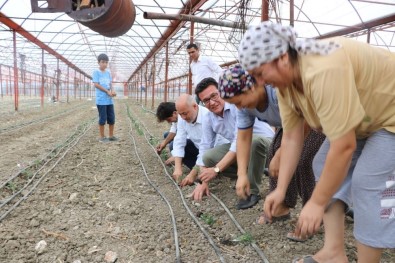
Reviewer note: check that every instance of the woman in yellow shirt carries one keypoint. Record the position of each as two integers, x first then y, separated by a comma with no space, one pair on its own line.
345,89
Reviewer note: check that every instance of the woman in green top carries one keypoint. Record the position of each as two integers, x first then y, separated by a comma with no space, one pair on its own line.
345,89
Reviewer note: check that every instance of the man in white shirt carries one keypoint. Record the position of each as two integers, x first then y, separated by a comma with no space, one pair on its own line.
189,125
201,66
222,120
166,111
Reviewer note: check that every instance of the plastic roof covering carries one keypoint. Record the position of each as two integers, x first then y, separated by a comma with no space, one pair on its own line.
80,45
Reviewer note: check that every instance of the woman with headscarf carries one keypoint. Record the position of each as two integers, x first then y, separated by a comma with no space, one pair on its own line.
237,87
346,89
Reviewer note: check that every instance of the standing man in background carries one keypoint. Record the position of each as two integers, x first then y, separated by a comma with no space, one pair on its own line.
201,67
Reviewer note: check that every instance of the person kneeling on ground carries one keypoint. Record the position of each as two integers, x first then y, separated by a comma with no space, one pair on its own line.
189,125
239,88
346,89
166,111
221,159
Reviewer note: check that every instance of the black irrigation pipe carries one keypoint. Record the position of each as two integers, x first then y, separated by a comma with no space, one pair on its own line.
173,219
40,120
150,111
34,186
256,248
52,154
202,229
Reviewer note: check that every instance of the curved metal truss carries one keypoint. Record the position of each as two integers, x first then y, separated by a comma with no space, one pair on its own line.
73,47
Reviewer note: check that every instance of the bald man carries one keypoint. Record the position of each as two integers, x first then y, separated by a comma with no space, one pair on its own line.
189,126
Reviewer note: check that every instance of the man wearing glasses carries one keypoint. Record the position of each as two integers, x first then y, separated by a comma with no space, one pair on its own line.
221,159
201,66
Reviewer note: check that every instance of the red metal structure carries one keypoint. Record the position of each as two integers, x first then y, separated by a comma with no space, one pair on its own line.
152,52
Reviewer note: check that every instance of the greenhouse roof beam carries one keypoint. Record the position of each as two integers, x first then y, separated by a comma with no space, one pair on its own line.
190,7
20,30
363,26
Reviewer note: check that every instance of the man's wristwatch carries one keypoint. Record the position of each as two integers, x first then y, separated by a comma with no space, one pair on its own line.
216,169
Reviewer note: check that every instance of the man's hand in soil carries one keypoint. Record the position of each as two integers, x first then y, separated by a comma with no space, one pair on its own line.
190,178
177,174
207,174
200,191
169,161
242,187
160,147
272,203
187,180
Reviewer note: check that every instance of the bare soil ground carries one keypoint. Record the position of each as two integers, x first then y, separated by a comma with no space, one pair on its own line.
96,198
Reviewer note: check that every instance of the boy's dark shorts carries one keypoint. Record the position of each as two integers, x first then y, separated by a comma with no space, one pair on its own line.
106,114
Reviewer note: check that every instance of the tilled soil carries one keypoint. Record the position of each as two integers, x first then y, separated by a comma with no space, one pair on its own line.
119,197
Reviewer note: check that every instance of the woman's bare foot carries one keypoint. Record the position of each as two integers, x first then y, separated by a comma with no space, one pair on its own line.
324,256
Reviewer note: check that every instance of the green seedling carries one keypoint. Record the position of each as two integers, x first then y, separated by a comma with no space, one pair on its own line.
11,186
27,173
152,141
208,219
244,239
139,131
36,163
164,155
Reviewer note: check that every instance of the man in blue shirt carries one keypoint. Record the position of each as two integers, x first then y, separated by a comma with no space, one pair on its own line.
221,120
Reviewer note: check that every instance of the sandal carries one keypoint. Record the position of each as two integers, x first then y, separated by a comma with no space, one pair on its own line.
306,259
263,219
291,236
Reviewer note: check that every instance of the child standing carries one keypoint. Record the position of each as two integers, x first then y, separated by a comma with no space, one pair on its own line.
102,80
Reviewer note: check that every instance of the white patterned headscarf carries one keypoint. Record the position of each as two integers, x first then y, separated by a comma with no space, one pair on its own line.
265,42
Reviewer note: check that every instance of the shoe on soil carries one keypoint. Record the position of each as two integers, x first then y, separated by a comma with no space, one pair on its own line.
249,202
306,259
113,139
103,139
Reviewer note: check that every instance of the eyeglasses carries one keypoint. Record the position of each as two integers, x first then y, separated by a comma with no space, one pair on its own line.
213,96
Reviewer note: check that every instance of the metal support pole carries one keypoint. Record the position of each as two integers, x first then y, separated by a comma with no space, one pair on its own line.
291,13
67,84
140,86
153,84
146,84
192,18
16,91
166,72
57,80
1,83
265,10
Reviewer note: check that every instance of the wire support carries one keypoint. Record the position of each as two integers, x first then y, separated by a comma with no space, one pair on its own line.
233,219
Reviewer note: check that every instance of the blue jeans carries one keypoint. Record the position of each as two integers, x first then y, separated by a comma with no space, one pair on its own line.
106,114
